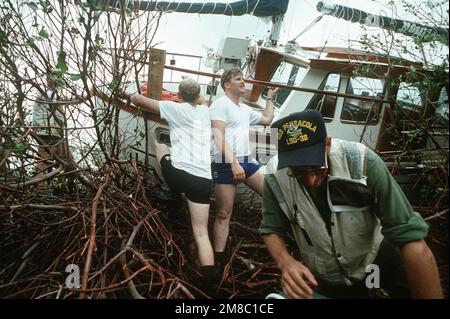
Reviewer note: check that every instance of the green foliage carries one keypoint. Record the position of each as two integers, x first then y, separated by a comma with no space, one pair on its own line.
46,6
114,85
99,41
43,33
96,5
74,31
75,77
363,70
65,41
20,147
33,6
415,135
62,65
429,192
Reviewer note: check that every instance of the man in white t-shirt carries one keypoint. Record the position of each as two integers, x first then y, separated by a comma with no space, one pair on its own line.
232,163
186,167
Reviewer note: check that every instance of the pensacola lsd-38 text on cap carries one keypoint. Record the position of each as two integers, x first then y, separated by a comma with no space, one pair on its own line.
301,139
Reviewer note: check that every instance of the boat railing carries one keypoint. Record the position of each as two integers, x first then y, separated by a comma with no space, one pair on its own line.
284,86
196,59
213,76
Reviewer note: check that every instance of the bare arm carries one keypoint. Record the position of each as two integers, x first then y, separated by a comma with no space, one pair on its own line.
219,138
296,279
267,115
150,105
421,270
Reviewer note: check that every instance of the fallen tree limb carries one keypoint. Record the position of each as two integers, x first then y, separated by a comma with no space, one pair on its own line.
445,211
92,236
36,180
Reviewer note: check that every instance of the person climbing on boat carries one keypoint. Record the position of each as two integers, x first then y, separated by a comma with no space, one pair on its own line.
186,165
352,224
233,163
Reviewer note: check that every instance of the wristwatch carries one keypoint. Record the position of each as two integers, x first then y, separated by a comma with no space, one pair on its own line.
269,99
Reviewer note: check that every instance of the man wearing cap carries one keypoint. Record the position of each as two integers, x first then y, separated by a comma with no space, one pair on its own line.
232,162
352,224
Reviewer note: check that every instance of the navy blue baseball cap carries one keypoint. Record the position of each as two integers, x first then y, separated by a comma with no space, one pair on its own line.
301,139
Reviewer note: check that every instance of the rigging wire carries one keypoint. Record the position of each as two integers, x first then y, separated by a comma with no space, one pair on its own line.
330,33
312,6
308,27
229,24
290,24
254,8
348,30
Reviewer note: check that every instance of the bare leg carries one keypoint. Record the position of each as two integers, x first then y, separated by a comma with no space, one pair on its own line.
199,219
42,164
256,182
224,194
64,152
45,156
161,150
45,160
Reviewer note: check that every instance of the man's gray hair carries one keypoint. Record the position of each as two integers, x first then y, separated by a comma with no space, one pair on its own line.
189,90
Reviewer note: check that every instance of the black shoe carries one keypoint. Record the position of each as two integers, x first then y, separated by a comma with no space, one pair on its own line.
220,259
210,280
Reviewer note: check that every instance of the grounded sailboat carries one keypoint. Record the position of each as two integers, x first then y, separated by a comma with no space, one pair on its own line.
356,106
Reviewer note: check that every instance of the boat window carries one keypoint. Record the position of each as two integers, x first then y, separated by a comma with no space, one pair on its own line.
410,99
361,111
289,74
326,104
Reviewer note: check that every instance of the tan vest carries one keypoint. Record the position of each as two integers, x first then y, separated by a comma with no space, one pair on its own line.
355,230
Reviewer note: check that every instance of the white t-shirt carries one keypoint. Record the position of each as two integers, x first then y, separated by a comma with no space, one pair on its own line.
50,115
190,136
238,120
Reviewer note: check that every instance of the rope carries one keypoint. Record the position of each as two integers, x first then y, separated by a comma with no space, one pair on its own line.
231,9
189,8
229,24
254,8
309,26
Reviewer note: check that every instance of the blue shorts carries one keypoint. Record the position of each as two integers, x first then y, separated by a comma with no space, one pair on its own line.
222,173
